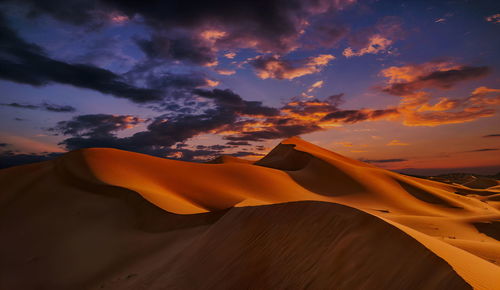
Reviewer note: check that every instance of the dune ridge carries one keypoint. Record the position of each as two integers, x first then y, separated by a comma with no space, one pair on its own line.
181,212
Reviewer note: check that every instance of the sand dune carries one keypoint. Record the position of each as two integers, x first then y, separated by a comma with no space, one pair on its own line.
300,217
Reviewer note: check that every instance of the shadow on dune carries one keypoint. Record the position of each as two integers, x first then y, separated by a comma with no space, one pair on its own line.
148,217
90,235
311,172
491,229
424,195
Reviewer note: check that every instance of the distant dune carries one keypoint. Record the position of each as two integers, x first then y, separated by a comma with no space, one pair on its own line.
301,217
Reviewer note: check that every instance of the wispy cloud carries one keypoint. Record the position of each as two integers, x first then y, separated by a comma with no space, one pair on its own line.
383,160
43,106
397,143
484,150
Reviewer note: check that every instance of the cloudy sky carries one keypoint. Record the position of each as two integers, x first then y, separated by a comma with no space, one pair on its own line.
406,85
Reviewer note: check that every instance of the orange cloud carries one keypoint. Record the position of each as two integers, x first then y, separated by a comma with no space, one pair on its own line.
416,110
417,107
314,86
212,34
405,80
345,144
211,64
375,39
495,18
273,66
376,44
212,83
485,96
397,143
409,73
225,72
230,55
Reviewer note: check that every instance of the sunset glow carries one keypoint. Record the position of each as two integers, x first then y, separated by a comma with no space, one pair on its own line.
415,83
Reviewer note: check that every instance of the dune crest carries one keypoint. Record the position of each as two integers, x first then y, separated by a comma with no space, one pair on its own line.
93,201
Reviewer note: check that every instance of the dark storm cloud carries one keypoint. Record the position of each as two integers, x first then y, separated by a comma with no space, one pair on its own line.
96,125
270,25
10,158
167,130
229,100
275,132
44,106
442,79
245,154
20,106
160,135
224,112
184,48
213,147
238,143
324,32
27,63
164,131
354,116
382,160
299,117
58,108
75,12
313,106
491,135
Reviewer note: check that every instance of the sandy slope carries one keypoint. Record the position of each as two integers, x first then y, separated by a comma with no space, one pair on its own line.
80,221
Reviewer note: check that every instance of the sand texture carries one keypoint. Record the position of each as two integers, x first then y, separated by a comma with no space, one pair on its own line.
301,217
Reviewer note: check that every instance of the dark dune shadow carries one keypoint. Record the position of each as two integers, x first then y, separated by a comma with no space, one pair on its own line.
423,195
308,245
148,217
285,157
464,191
311,172
491,229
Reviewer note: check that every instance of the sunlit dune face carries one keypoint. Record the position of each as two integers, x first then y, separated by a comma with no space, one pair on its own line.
315,205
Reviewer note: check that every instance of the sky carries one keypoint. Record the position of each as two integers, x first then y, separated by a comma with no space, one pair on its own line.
412,86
